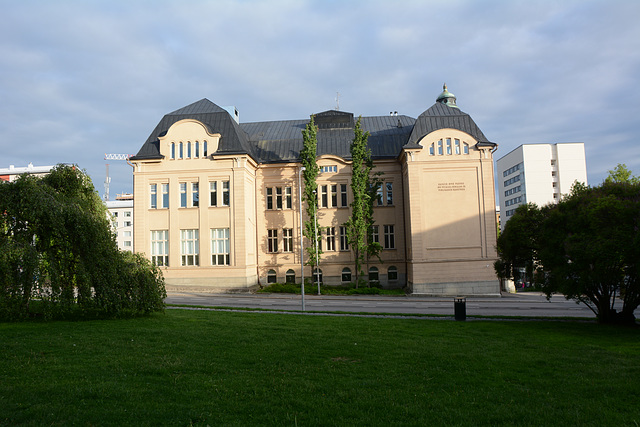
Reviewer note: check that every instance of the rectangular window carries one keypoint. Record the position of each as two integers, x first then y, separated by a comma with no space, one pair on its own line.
343,195
278,197
127,243
127,224
160,247
334,196
269,198
153,189
379,196
272,240
127,214
331,238
389,186
344,239
220,249
389,237
288,191
165,196
225,193
183,194
190,247
457,141
325,169
287,239
213,193
375,233
323,196
195,194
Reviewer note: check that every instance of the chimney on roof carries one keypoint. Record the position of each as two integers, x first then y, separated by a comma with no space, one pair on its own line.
233,112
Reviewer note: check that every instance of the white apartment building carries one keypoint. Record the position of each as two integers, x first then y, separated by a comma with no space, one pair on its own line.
121,211
538,173
12,173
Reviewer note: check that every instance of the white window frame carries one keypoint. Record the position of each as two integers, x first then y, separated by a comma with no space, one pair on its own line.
160,247
190,247
220,246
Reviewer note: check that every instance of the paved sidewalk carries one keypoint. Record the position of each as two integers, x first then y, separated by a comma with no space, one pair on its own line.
528,304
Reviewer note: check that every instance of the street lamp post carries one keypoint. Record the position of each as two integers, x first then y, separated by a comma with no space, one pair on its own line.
302,169
315,226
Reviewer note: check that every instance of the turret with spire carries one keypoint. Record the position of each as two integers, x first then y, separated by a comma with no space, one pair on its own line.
447,97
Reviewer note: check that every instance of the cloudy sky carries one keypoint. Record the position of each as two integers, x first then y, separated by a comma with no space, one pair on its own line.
79,79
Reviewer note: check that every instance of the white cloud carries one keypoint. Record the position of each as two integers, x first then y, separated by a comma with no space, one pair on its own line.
83,78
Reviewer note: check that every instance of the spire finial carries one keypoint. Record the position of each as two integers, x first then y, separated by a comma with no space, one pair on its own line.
447,97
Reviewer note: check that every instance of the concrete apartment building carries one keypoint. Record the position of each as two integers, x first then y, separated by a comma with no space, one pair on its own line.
538,173
217,201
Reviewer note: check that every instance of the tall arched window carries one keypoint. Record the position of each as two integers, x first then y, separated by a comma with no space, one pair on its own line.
188,150
204,148
197,149
181,153
290,277
173,150
271,276
373,274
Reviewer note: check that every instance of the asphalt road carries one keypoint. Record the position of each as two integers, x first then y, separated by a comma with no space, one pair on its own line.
521,304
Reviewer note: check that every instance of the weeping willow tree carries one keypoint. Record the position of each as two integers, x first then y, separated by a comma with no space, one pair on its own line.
60,256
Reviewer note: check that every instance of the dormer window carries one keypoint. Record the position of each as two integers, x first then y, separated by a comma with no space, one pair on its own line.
449,146
328,169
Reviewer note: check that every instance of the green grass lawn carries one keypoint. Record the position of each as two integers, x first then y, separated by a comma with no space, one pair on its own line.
237,368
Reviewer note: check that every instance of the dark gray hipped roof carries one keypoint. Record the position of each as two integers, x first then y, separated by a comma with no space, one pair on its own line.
281,141
441,116
217,120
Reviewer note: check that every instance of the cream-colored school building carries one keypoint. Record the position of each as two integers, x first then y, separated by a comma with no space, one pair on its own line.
217,201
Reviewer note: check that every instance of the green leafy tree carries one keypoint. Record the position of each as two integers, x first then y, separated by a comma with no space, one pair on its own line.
364,187
60,255
586,247
621,174
308,158
517,245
